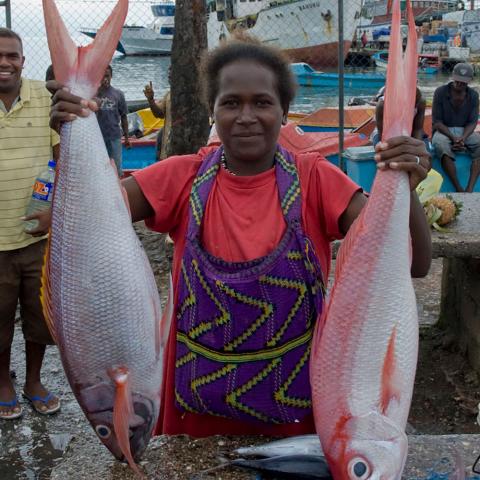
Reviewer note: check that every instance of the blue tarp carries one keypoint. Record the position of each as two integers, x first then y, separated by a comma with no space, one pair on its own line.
381,32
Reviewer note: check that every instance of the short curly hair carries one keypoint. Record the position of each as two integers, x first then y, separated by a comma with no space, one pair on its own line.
244,47
8,33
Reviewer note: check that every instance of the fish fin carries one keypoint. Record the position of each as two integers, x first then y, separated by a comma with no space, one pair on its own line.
389,391
46,292
166,320
343,253
123,413
82,63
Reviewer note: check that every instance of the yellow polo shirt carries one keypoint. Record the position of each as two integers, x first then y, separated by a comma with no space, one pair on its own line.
26,142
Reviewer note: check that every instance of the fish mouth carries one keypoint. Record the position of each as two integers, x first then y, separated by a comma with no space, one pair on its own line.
97,402
141,434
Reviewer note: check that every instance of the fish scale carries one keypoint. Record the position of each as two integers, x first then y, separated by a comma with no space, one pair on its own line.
99,292
365,346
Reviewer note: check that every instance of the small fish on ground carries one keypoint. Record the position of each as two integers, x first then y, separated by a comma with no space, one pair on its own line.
298,467
298,445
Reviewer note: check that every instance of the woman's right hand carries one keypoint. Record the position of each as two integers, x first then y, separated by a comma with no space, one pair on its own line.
66,107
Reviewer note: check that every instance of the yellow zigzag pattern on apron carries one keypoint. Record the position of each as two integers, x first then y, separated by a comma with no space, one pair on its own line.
265,306
286,283
232,398
281,394
195,202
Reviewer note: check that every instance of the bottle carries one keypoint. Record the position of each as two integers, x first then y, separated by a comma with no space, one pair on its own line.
42,194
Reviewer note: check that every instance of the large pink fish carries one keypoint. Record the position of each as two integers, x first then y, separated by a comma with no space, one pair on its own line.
364,351
99,292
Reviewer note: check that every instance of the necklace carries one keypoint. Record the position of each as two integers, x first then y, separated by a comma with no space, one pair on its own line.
223,161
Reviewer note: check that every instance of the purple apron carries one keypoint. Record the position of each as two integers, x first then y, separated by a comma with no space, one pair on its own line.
244,329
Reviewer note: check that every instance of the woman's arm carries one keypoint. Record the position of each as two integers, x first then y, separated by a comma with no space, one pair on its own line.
400,154
140,208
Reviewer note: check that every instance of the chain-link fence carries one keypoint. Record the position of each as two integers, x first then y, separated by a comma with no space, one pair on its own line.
309,30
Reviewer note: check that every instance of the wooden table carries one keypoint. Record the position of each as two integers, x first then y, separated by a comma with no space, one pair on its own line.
460,301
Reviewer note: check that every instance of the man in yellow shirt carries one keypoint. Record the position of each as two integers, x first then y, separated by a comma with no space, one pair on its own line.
27,144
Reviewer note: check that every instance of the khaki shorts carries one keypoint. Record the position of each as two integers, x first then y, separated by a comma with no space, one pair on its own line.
20,279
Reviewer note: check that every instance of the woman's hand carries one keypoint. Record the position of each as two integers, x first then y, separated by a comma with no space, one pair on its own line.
66,107
406,154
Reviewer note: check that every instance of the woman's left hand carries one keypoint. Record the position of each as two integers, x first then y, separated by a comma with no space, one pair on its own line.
406,154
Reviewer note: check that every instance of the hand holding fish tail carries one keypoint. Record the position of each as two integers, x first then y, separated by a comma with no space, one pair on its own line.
66,106
406,154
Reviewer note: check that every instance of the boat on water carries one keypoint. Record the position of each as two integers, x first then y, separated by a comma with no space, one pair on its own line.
306,76
154,39
428,64
306,29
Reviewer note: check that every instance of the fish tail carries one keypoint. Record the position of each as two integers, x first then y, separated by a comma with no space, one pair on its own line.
84,65
123,413
400,90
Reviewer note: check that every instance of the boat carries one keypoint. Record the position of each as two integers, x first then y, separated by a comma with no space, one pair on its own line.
307,30
308,77
428,64
155,39
291,25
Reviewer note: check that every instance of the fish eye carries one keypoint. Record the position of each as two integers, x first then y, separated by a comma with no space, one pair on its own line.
358,469
103,431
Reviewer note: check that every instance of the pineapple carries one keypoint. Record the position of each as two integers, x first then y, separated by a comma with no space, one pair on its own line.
441,210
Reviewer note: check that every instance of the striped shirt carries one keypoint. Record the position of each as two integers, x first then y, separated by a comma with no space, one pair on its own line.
26,142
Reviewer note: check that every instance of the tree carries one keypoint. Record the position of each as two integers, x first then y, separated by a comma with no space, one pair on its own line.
190,125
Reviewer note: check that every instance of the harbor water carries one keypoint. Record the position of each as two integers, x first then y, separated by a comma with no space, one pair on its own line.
131,74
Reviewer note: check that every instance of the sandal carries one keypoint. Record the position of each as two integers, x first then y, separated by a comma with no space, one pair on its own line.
11,404
44,400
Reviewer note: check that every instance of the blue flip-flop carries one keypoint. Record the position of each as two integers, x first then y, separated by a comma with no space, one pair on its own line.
11,404
45,399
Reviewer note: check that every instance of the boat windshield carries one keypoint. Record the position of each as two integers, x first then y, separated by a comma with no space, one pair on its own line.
162,10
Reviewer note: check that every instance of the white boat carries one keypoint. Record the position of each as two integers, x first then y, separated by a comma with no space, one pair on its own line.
306,29
156,39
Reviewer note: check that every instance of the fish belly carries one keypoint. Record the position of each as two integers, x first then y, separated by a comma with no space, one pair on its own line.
103,290
373,301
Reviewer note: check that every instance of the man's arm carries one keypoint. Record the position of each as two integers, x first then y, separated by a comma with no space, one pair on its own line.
472,118
158,109
122,110
417,128
437,116
379,117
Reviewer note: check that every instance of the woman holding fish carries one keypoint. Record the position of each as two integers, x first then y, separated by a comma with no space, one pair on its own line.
252,225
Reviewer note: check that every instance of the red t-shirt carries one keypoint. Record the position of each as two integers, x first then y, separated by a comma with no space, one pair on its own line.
243,220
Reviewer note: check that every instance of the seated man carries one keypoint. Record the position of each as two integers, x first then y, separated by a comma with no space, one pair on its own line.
454,119
417,126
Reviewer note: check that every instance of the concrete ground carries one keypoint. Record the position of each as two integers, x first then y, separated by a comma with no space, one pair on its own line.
33,446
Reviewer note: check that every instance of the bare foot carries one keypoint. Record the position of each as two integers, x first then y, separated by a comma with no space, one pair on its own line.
32,390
